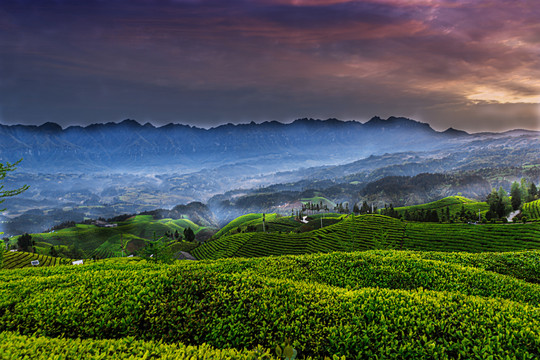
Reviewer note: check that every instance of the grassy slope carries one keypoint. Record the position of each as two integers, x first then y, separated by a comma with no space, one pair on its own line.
317,200
375,231
106,242
454,203
375,304
274,223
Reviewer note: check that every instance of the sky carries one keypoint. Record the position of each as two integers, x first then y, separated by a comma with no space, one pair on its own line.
470,65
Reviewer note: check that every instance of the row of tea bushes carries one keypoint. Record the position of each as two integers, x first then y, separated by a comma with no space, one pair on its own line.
367,232
403,270
532,210
20,259
197,304
15,346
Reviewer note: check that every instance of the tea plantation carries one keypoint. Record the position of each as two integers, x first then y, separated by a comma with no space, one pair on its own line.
453,203
384,304
367,232
532,210
103,242
19,259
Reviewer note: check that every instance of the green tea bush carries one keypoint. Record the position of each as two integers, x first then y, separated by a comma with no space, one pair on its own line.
15,346
197,304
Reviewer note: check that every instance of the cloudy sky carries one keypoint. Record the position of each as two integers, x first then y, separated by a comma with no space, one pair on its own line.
472,65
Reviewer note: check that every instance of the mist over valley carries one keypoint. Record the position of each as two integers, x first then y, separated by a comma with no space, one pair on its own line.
105,170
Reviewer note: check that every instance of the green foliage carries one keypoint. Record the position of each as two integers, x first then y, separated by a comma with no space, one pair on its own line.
15,346
532,209
533,193
4,169
452,207
189,235
127,237
24,242
322,201
515,193
286,351
239,221
20,259
496,202
376,304
158,251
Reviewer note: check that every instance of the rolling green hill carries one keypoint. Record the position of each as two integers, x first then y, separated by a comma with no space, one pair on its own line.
105,242
367,232
361,305
453,203
318,200
273,223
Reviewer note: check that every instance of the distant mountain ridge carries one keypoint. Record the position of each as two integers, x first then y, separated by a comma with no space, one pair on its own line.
128,145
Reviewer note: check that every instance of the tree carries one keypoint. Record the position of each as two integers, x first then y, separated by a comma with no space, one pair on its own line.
189,234
506,205
157,251
365,208
524,189
533,192
53,252
496,201
515,193
25,242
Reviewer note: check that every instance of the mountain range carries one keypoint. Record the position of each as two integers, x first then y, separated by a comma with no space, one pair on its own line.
104,170
129,146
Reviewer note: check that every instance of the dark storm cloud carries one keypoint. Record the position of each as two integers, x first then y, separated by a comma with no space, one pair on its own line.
209,62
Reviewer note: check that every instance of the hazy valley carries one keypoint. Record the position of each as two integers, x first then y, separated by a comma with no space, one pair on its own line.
112,169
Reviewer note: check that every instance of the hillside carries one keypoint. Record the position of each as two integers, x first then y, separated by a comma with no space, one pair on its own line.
94,241
276,223
20,259
374,304
532,210
367,232
451,205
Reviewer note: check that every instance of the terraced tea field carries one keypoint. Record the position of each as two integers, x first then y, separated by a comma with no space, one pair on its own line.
19,259
367,232
532,210
106,242
273,223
